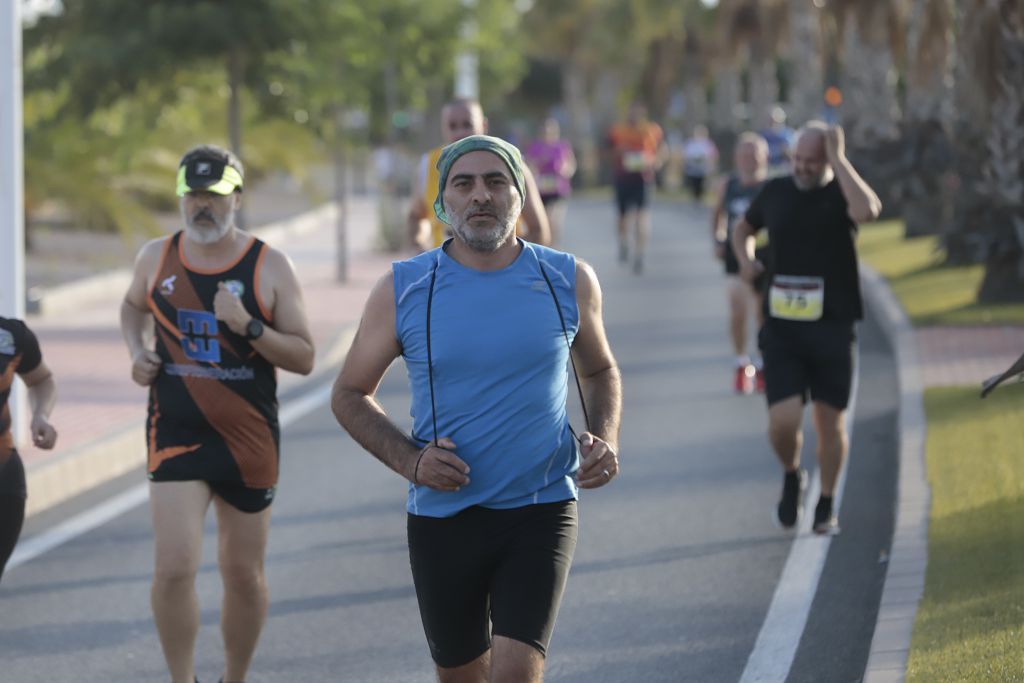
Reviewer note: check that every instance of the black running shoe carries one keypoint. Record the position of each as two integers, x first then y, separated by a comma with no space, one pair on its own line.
787,514
825,521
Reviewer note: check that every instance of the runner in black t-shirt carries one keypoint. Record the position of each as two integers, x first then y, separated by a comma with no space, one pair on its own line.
19,353
812,303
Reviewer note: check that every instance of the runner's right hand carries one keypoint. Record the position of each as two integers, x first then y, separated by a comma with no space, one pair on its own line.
750,270
439,468
145,367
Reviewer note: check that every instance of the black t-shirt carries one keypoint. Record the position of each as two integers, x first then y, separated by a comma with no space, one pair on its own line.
19,352
811,234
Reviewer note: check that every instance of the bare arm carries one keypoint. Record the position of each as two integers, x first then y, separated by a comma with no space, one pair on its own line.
718,228
534,215
417,220
356,408
743,246
601,381
42,396
136,319
863,205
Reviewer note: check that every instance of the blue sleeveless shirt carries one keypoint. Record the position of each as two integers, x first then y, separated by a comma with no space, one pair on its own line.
500,375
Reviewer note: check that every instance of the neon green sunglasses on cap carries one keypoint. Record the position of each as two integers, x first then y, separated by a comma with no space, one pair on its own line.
208,175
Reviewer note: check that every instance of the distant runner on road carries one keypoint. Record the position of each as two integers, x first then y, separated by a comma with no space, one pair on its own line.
812,305
750,158
637,150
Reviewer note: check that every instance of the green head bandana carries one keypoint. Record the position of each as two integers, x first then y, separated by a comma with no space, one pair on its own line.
503,150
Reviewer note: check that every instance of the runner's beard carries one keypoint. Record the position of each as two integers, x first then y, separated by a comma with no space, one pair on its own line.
489,239
208,232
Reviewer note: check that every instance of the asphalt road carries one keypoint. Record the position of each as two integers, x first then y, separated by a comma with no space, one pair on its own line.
677,561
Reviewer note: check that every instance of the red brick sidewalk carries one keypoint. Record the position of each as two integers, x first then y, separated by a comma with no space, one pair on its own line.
100,412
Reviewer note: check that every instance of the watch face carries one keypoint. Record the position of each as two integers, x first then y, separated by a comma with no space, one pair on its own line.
253,329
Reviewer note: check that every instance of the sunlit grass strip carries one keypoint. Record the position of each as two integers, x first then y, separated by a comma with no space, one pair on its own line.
970,623
931,294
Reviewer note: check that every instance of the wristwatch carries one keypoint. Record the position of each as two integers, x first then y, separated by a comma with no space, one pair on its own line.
253,329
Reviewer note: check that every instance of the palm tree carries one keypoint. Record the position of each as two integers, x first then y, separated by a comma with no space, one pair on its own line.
927,109
870,28
806,56
989,209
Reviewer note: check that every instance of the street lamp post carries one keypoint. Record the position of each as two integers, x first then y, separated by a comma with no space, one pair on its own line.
12,210
467,80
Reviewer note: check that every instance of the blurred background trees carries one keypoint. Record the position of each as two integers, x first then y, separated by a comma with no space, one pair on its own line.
932,93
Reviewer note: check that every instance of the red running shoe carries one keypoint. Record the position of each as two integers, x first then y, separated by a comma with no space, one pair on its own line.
759,380
743,382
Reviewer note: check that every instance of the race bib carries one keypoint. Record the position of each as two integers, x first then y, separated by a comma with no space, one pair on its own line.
796,298
548,184
634,161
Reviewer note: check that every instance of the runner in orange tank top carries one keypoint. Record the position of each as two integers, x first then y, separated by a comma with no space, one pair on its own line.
227,310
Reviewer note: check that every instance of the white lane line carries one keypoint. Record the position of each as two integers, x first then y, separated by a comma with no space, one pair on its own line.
775,649
99,515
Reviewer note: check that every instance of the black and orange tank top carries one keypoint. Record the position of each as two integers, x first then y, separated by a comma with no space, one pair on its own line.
213,406
19,353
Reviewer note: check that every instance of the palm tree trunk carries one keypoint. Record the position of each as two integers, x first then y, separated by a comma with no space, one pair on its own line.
926,207
1003,172
806,82
869,79
236,74
727,95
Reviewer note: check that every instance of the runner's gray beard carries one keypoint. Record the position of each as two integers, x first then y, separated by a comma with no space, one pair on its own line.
207,235
485,240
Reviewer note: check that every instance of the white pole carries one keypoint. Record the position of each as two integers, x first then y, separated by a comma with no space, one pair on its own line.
12,213
467,79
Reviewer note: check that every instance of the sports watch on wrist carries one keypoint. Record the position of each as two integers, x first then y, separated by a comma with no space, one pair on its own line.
253,329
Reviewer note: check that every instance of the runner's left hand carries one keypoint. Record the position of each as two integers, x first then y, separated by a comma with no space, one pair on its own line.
43,434
600,462
228,308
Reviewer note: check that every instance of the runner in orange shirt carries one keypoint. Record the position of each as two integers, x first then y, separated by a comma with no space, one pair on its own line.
637,149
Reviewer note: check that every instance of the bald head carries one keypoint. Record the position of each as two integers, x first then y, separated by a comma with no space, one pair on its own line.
461,118
810,161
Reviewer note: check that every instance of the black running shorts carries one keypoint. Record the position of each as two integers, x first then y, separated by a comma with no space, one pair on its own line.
808,359
506,567
631,192
238,496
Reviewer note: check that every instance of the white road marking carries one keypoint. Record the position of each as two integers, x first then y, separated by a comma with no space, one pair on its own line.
776,645
99,515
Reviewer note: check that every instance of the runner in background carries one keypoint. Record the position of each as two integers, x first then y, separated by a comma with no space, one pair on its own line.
700,161
637,150
553,164
738,189
461,118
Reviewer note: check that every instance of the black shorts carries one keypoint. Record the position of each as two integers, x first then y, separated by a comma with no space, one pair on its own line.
696,185
506,567
808,358
235,494
12,506
631,192
12,476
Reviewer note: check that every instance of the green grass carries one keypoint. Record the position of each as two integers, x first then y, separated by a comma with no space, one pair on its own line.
931,294
970,624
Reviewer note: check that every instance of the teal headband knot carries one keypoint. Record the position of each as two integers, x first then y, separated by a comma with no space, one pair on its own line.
505,151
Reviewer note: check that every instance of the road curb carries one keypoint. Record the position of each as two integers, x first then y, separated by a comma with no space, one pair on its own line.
54,481
908,558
